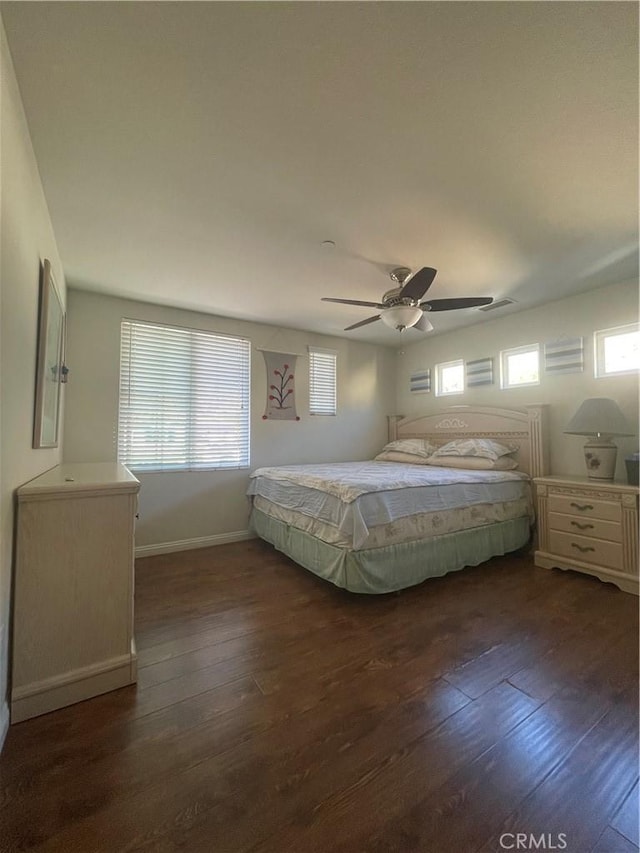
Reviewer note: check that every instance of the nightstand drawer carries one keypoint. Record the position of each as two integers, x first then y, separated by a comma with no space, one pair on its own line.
610,530
585,507
606,554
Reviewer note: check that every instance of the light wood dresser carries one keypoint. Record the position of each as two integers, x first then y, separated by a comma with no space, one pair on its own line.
590,526
74,587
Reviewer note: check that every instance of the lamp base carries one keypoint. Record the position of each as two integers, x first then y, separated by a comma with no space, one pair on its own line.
600,458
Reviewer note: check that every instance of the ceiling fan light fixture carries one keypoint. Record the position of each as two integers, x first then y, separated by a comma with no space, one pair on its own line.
401,316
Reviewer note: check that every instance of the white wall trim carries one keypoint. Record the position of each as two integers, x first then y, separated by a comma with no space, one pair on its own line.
82,673
4,723
58,691
192,544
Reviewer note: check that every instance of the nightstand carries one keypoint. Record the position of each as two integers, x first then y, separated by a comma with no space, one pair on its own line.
590,526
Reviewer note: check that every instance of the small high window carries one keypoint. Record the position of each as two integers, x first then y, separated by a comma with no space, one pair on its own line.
450,378
520,366
617,350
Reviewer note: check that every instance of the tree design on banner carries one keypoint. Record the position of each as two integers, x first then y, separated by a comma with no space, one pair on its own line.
281,394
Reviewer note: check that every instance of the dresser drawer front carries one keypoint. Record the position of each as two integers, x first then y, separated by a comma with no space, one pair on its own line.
605,554
586,526
585,507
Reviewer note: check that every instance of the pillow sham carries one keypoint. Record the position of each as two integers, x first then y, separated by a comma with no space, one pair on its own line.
474,463
414,446
399,456
483,447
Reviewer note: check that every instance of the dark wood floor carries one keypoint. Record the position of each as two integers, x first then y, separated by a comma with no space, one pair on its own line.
276,713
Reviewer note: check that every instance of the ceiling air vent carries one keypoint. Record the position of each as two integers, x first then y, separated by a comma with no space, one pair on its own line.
494,305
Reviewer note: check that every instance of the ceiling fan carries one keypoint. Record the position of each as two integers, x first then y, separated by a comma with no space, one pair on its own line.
401,307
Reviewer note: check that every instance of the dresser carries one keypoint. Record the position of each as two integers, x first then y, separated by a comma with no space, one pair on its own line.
590,526
73,587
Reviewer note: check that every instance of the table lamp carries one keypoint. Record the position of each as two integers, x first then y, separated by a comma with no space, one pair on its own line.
600,418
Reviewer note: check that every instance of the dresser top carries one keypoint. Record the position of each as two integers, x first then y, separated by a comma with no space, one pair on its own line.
618,486
80,477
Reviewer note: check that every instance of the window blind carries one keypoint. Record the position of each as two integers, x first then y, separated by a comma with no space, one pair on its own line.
184,398
322,381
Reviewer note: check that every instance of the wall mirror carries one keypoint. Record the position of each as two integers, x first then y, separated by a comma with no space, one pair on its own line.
49,362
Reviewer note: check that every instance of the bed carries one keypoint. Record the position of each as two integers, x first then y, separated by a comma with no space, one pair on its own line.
380,526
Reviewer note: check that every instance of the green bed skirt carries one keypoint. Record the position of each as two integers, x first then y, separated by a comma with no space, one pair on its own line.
394,567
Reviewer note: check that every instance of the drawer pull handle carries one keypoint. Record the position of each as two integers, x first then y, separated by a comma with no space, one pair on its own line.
581,507
582,548
582,526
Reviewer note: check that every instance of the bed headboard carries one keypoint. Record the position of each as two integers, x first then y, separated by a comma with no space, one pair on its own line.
524,428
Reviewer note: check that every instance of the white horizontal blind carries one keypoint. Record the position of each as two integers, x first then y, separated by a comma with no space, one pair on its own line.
322,381
184,398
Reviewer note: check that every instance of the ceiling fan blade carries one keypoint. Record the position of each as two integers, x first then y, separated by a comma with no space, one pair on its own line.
363,323
424,324
353,302
452,304
418,284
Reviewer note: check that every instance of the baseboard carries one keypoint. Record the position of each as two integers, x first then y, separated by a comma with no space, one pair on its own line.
4,723
31,700
192,544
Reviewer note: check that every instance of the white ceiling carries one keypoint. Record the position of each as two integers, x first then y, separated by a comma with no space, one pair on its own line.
197,154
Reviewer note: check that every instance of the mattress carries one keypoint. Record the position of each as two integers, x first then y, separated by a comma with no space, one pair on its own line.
359,505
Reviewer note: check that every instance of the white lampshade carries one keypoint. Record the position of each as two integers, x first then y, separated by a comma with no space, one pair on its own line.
401,316
598,416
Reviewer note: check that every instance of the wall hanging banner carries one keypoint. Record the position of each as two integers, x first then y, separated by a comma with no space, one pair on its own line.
479,372
565,356
420,381
281,395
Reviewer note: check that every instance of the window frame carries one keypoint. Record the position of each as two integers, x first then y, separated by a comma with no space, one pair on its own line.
457,362
599,337
504,369
191,405
315,379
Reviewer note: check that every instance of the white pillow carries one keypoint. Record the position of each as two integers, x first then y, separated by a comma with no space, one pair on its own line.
504,463
399,456
414,446
483,447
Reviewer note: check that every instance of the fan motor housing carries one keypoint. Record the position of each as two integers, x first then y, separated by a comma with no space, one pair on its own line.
392,297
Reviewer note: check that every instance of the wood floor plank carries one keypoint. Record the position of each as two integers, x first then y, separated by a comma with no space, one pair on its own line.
366,694
242,656
612,842
421,765
272,764
542,631
555,669
461,813
482,673
272,708
582,795
626,821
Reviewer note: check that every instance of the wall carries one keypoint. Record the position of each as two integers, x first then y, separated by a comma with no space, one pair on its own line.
178,506
570,317
26,238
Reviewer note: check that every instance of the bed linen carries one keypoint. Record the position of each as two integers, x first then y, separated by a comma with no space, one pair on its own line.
405,529
395,567
354,498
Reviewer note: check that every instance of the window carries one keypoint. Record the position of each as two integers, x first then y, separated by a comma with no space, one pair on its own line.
617,350
450,378
184,399
322,381
520,366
